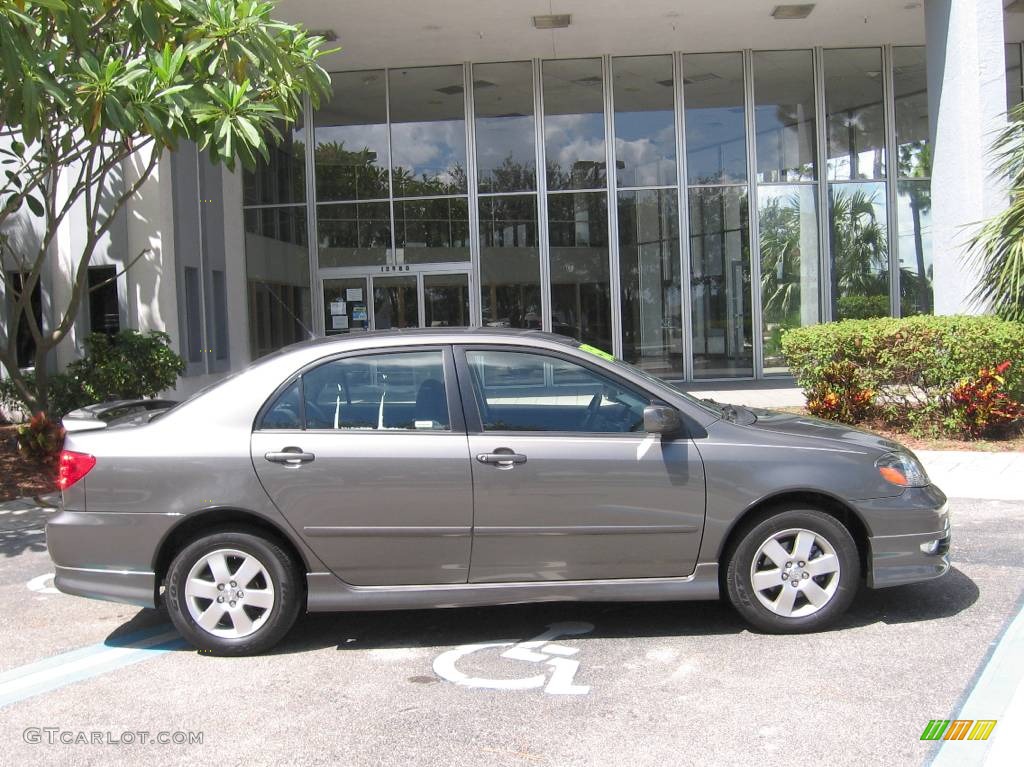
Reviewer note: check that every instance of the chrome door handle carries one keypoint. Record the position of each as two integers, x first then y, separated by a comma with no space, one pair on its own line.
499,458
290,456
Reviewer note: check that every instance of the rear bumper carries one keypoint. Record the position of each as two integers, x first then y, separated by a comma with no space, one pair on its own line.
127,586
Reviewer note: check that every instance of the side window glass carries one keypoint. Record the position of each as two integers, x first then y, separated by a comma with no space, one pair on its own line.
378,392
520,391
284,413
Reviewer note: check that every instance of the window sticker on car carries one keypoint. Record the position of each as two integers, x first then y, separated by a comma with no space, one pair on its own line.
597,352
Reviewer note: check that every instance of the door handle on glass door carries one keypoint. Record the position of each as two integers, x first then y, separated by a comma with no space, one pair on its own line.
290,456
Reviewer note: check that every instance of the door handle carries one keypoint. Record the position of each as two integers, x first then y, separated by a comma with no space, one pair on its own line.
501,457
290,456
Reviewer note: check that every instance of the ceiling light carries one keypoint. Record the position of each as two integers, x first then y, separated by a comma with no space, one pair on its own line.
552,21
700,78
787,12
327,34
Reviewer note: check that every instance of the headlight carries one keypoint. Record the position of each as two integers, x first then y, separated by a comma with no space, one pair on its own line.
902,469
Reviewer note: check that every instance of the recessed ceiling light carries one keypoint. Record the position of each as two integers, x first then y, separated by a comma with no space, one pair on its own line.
552,21
700,78
327,34
787,12
591,80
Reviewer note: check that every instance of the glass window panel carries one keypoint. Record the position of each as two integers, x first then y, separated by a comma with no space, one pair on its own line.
446,300
645,126
277,268
104,309
914,215
860,250
285,412
428,131
395,302
574,124
788,218
720,282
1014,94
353,234
910,86
580,292
432,231
345,305
784,115
282,179
351,134
855,114
509,262
716,130
652,323
404,391
519,391
505,141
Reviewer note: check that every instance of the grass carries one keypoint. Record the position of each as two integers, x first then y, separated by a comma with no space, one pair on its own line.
21,476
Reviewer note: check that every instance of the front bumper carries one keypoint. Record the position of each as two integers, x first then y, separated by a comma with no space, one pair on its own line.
909,539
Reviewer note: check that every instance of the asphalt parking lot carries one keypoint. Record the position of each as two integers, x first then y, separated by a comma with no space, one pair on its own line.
682,683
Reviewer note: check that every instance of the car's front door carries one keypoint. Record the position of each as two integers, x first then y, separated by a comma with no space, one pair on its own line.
366,456
567,486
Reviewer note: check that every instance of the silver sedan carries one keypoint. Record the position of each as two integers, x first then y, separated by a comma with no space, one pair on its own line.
447,468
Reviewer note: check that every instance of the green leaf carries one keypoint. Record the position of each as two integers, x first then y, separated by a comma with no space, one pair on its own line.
34,205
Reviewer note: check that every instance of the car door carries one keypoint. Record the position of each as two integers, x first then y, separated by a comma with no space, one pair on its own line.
567,486
366,456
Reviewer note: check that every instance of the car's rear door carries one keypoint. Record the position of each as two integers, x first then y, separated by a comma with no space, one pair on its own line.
566,483
366,456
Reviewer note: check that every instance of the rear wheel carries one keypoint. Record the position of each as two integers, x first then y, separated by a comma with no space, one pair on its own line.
233,593
796,571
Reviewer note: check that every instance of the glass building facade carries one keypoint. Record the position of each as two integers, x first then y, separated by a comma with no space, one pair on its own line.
680,210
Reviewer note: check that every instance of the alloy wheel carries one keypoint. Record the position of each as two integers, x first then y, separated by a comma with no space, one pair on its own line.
229,593
795,573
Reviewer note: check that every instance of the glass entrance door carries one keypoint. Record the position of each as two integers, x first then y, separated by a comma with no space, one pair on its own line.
396,302
446,300
345,305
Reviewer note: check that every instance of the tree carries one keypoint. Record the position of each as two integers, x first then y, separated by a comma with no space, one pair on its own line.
997,249
860,254
86,86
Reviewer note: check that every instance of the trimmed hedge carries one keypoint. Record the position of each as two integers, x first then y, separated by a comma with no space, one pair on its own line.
905,368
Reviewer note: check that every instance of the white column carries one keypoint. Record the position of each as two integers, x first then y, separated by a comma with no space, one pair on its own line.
966,105
235,270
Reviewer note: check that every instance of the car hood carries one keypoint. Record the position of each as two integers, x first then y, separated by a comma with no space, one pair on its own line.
817,428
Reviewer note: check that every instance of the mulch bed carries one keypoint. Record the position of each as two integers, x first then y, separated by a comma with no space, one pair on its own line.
1013,443
21,476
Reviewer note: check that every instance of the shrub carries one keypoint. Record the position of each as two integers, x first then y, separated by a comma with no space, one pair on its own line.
40,438
979,407
841,393
857,307
911,365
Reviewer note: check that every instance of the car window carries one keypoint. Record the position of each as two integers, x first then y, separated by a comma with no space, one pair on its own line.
400,391
284,413
523,391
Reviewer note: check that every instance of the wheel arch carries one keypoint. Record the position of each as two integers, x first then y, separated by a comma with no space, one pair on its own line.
843,512
192,526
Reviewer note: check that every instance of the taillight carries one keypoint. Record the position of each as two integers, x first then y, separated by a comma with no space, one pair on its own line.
72,467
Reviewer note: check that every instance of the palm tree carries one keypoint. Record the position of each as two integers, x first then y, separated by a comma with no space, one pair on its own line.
997,250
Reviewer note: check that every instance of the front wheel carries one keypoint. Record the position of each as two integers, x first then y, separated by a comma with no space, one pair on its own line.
796,571
233,593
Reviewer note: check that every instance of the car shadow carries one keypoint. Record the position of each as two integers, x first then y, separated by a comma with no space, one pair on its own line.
22,526
926,601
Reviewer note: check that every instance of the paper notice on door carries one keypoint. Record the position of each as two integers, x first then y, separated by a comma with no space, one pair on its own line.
359,313
338,307
353,294
339,322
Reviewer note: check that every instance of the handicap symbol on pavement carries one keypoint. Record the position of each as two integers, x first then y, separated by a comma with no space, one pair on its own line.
539,650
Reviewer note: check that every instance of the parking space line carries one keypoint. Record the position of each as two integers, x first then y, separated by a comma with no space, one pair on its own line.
86,662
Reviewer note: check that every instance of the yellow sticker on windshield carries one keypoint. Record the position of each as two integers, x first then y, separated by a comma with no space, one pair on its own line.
597,352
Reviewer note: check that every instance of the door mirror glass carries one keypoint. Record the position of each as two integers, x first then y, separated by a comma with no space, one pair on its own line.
659,419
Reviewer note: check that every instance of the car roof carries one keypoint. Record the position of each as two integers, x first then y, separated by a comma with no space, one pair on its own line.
437,335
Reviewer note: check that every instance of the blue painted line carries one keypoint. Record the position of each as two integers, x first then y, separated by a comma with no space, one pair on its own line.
86,663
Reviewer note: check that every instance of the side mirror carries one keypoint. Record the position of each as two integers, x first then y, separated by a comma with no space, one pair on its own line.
659,419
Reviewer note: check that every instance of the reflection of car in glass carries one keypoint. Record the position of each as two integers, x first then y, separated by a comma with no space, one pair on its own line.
433,468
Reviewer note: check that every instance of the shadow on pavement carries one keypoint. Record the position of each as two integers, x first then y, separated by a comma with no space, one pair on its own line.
21,527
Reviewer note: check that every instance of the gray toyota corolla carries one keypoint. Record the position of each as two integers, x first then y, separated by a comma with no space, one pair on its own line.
446,468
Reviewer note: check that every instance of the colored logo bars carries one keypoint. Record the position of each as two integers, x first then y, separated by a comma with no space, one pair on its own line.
958,729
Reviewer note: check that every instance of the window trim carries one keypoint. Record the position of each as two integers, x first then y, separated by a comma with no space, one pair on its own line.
474,421
456,417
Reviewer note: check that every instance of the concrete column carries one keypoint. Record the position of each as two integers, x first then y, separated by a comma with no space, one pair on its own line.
966,105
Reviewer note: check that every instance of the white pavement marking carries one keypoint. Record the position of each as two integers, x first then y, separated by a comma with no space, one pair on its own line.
42,584
998,694
540,649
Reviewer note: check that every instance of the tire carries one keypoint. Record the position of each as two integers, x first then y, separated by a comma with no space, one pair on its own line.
244,619
828,577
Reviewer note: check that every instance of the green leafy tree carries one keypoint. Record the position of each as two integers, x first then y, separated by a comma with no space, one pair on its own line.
997,250
860,252
87,85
